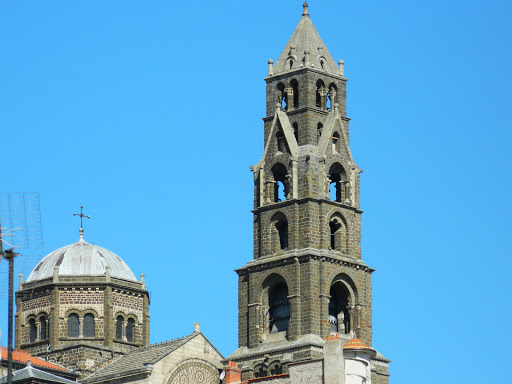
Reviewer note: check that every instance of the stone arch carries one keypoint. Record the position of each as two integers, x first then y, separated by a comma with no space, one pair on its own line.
266,277
73,310
289,63
276,306
260,370
338,184
278,229
282,96
343,300
294,85
279,173
323,62
90,310
275,367
321,93
193,371
338,230
347,280
337,213
41,313
120,313
332,96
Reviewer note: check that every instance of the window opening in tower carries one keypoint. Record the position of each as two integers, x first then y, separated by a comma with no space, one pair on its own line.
279,311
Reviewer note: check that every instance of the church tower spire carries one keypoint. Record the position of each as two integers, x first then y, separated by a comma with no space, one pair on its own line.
306,281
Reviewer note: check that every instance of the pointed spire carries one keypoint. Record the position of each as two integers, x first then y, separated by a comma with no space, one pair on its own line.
305,49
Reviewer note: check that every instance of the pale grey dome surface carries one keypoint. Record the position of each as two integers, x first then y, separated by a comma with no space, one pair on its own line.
81,259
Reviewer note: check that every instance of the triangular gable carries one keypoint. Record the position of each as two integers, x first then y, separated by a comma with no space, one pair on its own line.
334,123
288,134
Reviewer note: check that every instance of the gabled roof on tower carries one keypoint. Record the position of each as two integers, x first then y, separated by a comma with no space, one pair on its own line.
305,39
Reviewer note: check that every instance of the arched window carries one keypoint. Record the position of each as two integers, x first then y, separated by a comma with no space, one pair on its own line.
279,236
130,330
32,330
73,325
281,186
338,230
282,96
260,370
42,328
89,325
320,94
296,131
275,368
339,314
338,187
279,308
319,130
282,230
119,327
295,87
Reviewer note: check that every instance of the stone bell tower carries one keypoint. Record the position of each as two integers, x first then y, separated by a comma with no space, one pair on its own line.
307,280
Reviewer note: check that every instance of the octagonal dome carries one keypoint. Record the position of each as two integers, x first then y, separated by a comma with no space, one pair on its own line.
81,259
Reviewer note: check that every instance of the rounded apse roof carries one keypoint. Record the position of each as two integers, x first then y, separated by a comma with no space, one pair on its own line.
81,259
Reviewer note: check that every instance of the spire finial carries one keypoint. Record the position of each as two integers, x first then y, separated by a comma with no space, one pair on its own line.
305,5
81,214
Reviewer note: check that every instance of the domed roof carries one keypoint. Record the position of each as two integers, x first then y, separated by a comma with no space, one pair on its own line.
81,259
355,344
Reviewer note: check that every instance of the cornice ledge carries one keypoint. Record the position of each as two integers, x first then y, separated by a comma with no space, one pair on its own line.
288,257
271,206
304,341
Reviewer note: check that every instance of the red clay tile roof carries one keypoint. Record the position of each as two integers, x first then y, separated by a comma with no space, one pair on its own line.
23,356
355,344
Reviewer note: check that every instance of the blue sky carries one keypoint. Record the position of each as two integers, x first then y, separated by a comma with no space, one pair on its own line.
149,114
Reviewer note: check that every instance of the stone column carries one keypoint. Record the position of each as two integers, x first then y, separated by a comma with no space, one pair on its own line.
255,321
108,318
38,330
347,192
289,98
295,179
146,320
54,319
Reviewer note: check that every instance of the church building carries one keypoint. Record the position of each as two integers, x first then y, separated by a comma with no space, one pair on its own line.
307,281
305,298
80,307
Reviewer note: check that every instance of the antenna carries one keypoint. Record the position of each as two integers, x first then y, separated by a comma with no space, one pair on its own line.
20,227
